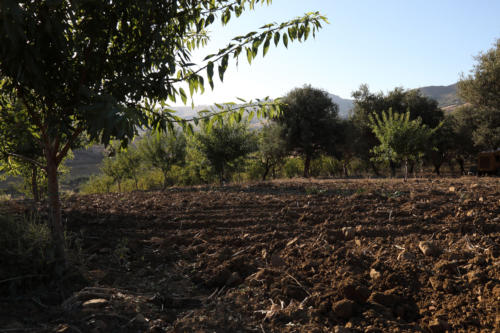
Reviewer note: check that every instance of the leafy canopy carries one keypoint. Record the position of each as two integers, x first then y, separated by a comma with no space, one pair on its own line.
481,88
100,66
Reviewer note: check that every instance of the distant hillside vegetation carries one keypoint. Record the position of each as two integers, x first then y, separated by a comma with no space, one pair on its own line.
445,95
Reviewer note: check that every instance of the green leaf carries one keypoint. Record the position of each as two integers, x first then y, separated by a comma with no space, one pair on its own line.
285,40
266,45
210,73
249,55
183,95
276,38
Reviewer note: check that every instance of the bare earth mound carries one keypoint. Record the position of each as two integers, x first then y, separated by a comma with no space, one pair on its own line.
294,256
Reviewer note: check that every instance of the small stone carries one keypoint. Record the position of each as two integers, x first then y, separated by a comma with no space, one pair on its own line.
451,189
343,308
429,248
95,303
374,274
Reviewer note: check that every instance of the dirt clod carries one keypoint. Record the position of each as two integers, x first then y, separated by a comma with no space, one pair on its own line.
429,248
343,308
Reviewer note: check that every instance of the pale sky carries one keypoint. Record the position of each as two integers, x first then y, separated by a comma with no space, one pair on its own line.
384,43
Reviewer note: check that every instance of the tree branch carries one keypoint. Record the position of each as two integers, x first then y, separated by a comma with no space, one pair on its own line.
67,146
27,159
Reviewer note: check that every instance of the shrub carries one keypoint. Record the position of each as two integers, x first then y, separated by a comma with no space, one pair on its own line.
293,167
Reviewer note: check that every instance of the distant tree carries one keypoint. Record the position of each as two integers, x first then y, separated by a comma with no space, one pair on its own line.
163,150
400,101
401,139
349,143
223,144
310,123
464,122
99,67
481,88
441,145
271,148
122,164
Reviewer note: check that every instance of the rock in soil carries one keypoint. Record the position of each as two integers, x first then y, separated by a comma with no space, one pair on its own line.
343,309
429,248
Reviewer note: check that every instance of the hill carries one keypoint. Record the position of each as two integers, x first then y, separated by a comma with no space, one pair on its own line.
446,96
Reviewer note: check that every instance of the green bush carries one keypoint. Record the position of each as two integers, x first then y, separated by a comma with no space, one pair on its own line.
97,184
294,167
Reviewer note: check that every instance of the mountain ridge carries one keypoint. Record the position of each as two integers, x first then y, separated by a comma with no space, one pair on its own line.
446,96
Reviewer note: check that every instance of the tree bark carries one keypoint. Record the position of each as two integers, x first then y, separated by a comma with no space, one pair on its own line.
165,181
34,183
266,171
461,163
307,165
406,170
55,220
344,169
437,168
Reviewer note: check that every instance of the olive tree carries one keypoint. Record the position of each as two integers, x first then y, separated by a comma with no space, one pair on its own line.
99,67
310,123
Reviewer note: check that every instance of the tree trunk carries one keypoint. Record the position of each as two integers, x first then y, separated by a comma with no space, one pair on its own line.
437,168
307,165
266,171
344,169
55,220
461,163
165,181
406,170
34,183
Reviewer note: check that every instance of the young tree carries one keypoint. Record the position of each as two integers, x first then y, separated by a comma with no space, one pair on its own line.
272,148
99,66
310,123
224,144
401,139
481,88
163,150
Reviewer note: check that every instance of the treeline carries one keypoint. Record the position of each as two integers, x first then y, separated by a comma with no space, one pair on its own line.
382,133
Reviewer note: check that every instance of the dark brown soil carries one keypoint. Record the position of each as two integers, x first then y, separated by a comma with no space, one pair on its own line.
290,256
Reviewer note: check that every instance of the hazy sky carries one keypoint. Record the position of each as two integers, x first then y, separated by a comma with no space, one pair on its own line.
384,43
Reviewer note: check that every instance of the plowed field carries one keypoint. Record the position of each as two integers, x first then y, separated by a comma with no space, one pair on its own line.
288,256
